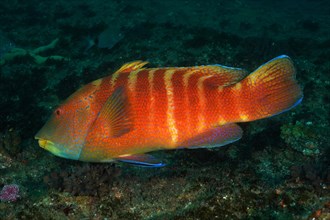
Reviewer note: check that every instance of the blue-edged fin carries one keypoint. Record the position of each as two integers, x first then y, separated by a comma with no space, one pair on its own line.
272,88
215,137
144,160
115,114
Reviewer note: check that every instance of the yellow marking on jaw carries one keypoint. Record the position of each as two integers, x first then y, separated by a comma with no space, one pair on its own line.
220,89
49,145
170,105
202,102
42,143
152,98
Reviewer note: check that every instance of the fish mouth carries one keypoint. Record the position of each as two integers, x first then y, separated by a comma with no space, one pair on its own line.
56,149
49,146
44,143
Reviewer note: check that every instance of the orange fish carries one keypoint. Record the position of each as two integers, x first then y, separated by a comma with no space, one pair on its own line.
137,110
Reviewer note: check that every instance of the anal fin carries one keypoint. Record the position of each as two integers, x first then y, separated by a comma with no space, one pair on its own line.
223,75
214,137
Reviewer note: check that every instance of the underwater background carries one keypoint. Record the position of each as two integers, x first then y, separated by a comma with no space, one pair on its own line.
280,169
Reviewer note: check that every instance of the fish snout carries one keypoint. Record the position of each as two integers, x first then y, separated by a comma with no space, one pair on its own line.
49,146
42,142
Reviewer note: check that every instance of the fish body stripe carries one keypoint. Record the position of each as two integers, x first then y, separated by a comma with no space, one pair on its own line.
241,95
177,103
195,107
160,104
170,105
221,119
187,100
233,95
187,75
202,102
141,93
181,108
132,77
151,117
237,98
114,78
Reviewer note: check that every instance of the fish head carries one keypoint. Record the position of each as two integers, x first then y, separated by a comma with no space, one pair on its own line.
64,133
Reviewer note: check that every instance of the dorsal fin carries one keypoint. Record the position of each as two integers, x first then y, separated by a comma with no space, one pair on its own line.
224,75
216,75
131,66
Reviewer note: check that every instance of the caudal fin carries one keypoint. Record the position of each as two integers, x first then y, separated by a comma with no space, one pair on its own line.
273,88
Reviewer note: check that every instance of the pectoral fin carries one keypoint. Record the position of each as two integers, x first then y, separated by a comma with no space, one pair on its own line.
144,160
215,137
115,118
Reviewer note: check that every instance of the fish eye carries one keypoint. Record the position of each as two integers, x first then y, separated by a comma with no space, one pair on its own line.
58,112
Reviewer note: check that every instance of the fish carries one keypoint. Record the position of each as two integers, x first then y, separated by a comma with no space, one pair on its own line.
137,110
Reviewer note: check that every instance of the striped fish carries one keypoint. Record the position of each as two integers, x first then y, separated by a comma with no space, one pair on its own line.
137,110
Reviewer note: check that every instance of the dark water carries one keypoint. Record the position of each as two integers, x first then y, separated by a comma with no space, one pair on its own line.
278,170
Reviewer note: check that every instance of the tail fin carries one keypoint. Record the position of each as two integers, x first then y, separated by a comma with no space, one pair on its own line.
273,88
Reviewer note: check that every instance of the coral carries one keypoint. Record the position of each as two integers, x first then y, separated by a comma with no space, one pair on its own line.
9,193
38,59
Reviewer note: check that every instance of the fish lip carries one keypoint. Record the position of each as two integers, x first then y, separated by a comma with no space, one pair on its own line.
43,143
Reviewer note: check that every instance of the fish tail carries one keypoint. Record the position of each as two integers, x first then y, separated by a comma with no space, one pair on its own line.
272,88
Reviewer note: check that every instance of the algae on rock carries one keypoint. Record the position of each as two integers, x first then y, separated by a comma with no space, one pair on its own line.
38,59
